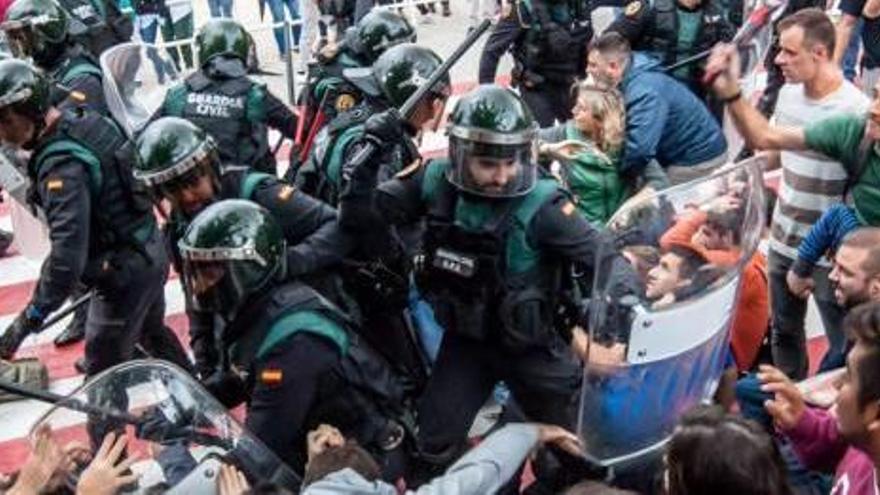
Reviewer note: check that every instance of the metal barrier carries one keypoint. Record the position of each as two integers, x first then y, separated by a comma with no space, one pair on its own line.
287,24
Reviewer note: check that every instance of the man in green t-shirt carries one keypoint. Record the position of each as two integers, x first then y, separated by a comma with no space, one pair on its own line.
852,139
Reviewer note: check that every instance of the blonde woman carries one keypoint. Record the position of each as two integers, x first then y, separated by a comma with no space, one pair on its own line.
588,148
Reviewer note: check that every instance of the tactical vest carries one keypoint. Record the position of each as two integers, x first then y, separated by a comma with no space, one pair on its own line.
321,175
97,25
232,111
478,269
71,69
663,38
537,59
595,182
121,205
361,394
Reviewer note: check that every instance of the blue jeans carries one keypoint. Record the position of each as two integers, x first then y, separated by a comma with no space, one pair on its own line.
220,8
276,8
851,56
788,337
148,32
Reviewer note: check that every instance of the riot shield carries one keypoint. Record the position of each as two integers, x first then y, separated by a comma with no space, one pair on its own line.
136,78
179,432
31,233
652,356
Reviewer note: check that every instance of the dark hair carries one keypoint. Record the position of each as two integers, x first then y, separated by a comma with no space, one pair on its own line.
867,238
818,28
691,260
726,221
862,325
349,455
712,452
646,257
612,44
590,487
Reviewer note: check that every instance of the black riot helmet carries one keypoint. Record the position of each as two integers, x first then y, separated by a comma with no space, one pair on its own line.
24,90
492,133
37,29
399,72
378,31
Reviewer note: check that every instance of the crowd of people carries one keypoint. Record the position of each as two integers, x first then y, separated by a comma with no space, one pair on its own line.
586,256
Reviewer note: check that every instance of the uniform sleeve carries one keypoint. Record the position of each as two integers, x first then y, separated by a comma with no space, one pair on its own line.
836,137
313,235
504,34
632,25
559,230
279,116
64,194
93,91
646,115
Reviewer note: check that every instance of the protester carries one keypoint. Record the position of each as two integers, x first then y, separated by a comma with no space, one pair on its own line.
856,272
675,271
846,440
589,147
712,452
864,16
665,121
337,466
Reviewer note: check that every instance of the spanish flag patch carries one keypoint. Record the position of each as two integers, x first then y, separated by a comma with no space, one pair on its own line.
568,208
271,377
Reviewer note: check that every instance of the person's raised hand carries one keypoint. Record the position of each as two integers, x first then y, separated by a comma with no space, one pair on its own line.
787,406
107,474
722,71
231,481
45,459
801,287
561,438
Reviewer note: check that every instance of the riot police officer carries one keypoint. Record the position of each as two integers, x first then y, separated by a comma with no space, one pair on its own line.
673,30
299,355
498,245
548,40
328,93
40,30
223,101
180,163
376,271
101,226
98,24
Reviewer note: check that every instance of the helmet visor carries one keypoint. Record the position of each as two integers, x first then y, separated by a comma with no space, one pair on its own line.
492,170
205,283
21,38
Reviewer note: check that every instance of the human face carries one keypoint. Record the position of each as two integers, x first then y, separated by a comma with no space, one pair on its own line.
16,130
689,4
492,175
665,277
851,286
429,113
583,117
191,195
873,129
852,419
605,71
797,62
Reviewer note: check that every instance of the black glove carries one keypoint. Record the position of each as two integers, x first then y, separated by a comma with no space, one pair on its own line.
16,333
226,387
384,129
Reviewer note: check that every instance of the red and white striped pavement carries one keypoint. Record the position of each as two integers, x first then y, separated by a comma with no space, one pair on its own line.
18,276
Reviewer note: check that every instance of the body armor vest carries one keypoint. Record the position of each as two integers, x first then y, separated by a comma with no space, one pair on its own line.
231,111
120,204
663,38
537,58
94,25
479,271
361,395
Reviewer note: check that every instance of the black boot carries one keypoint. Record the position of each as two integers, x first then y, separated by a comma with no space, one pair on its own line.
76,330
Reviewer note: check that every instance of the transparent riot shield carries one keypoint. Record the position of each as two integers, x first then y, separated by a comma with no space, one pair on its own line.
652,356
136,78
179,432
31,237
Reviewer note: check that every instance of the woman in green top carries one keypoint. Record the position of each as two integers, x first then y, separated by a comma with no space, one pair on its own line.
588,149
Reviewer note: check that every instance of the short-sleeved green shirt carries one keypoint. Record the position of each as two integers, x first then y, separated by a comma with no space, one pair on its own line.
840,138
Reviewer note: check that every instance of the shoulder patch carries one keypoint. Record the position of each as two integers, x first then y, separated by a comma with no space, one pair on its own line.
344,102
55,185
286,192
411,169
633,8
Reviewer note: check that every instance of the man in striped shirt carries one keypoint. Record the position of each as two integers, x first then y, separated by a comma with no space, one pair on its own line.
811,182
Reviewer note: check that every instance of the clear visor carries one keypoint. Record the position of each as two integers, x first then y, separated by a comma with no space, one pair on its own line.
492,170
21,38
207,283
174,188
